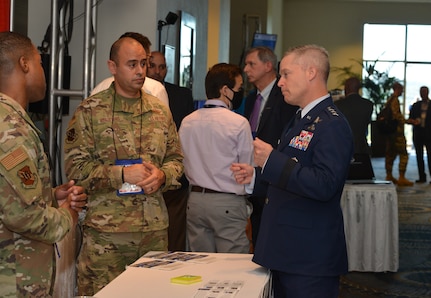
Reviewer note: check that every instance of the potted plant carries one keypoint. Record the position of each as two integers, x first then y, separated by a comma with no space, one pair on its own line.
376,86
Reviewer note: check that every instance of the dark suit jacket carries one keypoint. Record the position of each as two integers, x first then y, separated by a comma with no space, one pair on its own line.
275,115
423,133
302,230
180,102
357,111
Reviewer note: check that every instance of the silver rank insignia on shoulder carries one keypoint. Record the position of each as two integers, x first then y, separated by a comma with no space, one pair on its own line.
333,111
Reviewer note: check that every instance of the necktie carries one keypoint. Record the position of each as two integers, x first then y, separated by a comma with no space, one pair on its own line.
289,127
254,117
297,118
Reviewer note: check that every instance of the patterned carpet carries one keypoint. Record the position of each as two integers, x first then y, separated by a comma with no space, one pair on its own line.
413,278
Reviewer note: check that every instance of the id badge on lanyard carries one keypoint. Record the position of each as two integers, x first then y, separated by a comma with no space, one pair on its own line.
127,188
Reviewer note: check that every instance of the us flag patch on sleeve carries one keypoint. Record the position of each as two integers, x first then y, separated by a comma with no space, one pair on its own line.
14,158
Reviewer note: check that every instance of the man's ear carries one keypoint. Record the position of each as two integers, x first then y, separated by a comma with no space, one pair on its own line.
268,66
311,73
23,64
224,90
112,67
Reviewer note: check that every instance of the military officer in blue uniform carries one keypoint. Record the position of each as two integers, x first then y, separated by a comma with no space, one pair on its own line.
301,237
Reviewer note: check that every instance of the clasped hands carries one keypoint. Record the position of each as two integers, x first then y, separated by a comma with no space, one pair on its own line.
71,197
145,175
242,172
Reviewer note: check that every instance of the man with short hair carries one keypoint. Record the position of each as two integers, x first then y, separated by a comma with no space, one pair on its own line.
357,111
272,112
180,98
151,86
420,117
122,144
301,238
34,216
212,138
396,144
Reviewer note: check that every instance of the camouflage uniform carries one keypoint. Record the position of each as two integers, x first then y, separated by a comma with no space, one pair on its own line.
396,142
29,224
98,134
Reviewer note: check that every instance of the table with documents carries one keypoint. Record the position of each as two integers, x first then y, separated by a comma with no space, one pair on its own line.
186,274
371,226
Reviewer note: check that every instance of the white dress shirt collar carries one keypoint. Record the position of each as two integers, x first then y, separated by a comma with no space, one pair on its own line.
312,104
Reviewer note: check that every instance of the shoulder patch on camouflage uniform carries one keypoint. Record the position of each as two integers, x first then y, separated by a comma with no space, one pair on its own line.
28,178
14,158
71,136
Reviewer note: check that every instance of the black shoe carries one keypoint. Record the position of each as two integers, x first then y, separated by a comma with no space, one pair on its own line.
421,181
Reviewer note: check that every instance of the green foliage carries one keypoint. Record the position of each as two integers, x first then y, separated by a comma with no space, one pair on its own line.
376,85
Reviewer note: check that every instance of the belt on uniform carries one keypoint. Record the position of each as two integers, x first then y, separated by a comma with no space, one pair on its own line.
196,188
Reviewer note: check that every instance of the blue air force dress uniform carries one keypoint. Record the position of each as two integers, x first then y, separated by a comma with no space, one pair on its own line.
302,230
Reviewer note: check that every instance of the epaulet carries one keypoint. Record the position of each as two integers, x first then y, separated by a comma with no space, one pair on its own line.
332,111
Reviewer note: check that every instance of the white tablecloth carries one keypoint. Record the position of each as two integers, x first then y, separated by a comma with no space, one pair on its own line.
153,282
371,226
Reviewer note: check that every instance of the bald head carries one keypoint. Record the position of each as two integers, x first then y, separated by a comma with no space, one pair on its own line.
142,39
128,65
157,69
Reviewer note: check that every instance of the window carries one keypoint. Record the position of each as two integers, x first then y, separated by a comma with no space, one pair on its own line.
402,51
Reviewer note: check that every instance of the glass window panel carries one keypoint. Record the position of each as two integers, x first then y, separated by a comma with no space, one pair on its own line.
417,75
388,43
384,42
418,43
394,69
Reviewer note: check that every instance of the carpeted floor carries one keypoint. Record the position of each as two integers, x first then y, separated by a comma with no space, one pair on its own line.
413,278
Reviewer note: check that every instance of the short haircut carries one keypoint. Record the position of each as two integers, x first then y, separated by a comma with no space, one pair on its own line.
352,84
219,75
264,54
113,54
12,46
311,54
397,85
142,39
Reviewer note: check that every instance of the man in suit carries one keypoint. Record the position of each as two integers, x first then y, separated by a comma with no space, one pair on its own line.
301,236
180,98
181,104
420,117
357,111
273,112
